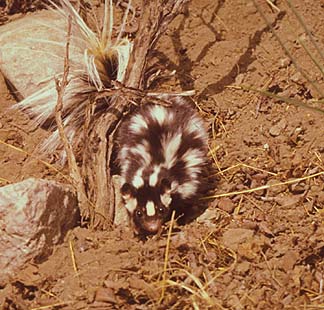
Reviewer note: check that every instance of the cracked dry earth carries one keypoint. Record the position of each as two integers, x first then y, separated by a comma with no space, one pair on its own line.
261,249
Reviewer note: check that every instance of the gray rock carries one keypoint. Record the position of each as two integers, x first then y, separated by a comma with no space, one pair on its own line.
34,216
32,50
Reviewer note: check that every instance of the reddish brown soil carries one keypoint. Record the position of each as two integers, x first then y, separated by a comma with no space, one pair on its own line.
258,250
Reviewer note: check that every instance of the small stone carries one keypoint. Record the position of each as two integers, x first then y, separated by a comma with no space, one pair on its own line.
278,128
208,216
288,300
296,78
288,201
284,62
226,205
266,147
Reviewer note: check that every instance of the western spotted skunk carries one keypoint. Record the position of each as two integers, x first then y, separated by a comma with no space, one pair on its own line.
162,154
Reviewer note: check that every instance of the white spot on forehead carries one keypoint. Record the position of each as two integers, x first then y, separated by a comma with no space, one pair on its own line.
154,176
159,113
143,152
138,179
150,208
187,189
171,146
137,123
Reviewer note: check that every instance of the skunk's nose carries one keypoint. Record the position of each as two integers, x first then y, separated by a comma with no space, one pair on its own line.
152,226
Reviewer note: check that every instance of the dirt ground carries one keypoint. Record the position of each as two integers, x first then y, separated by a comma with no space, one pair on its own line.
260,249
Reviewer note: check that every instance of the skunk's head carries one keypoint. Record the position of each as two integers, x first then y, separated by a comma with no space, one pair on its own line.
148,205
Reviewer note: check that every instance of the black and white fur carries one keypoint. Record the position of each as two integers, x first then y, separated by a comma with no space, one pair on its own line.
162,152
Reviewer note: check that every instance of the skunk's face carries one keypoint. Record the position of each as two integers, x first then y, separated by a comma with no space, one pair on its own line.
149,206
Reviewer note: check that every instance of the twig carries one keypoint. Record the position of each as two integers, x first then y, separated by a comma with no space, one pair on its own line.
273,6
166,257
3,180
74,264
60,88
52,306
264,186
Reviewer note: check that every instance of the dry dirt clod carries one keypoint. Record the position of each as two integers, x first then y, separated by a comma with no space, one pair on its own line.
275,189
298,188
297,78
105,295
226,204
233,237
278,128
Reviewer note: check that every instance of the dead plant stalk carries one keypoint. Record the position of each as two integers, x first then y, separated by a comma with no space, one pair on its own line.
60,88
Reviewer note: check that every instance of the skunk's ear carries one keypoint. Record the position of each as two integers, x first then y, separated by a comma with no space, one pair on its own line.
127,190
128,193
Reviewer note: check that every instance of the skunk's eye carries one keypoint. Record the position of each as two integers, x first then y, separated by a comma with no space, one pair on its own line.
161,210
138,213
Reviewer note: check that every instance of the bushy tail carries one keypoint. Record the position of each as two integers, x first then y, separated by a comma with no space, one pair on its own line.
99,59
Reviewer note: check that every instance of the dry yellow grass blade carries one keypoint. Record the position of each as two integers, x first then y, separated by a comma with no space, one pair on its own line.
58,304
50,294
193,284
166,258
264,187
3,180
303,24
75,268
199,290
239,165
213,155
271,4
